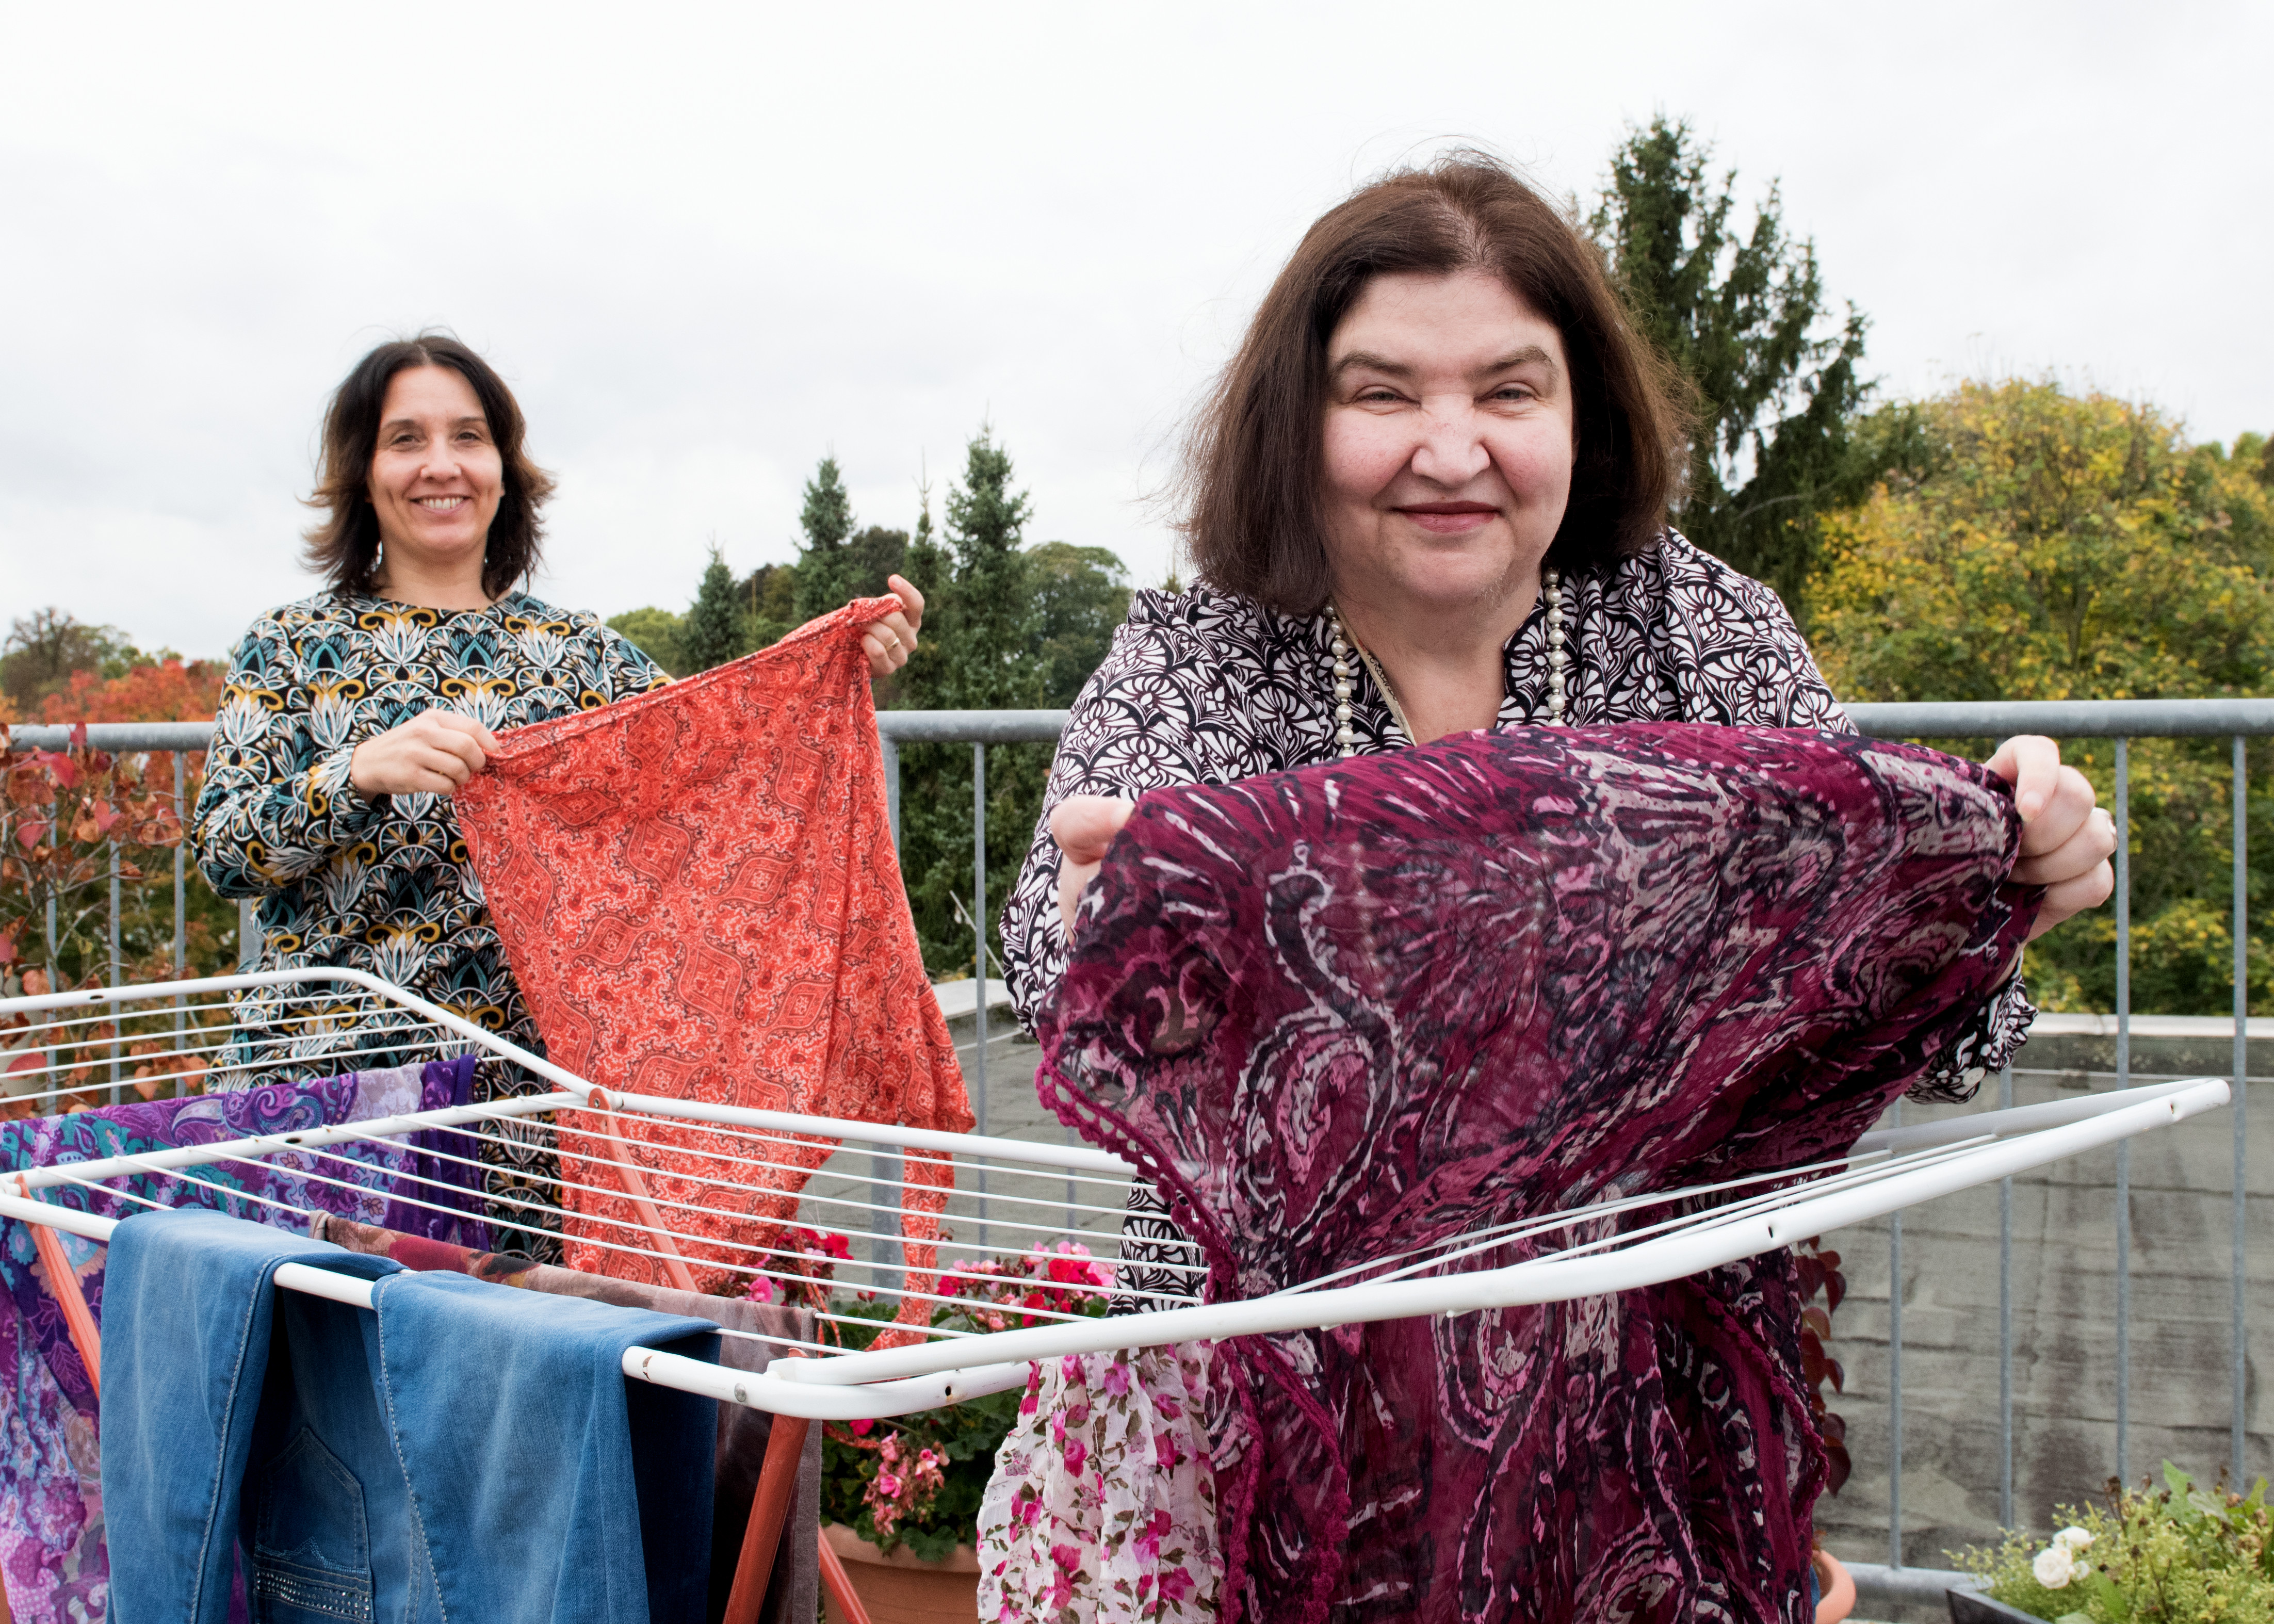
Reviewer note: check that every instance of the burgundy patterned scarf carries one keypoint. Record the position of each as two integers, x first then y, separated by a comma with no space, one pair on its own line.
1339,1012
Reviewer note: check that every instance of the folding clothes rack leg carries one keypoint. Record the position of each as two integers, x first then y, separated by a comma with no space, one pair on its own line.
63,1285
636,1187
785,1443
768,1510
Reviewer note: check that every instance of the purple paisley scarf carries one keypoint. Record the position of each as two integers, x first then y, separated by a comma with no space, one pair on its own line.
53,1560
1337,1012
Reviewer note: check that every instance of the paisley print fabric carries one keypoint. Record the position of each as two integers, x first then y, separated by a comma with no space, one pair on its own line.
383,885
1211,688
1343,1012
697,891
52,1555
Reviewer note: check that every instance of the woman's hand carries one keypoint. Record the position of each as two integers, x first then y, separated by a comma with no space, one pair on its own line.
432,754
1083,826
2065,839
892,640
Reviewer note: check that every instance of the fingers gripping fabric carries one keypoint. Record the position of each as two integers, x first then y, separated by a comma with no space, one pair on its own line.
698,895
1345,1011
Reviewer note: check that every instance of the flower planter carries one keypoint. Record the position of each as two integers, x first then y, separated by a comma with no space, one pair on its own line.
901,1588
1835,1590
1968,1608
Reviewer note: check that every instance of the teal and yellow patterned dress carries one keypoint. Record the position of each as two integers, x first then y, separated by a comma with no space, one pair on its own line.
382,885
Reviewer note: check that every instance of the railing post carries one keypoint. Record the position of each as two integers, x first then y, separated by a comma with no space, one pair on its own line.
1896,1377
979,959
2123,1080
116,1019
181,922
2240,1349
2005,1323
892,748
248,942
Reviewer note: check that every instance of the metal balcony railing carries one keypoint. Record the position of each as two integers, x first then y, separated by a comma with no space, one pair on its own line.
2121,721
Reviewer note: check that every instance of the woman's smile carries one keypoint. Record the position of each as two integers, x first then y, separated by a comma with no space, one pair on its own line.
1450,518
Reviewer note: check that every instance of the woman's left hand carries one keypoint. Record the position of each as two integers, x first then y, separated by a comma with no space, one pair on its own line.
889,641
2065,839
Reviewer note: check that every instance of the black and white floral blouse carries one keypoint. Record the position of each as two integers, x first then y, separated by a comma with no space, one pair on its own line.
381,884
1209,689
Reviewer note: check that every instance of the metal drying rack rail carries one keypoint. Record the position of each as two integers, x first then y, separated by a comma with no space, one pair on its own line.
1034,1206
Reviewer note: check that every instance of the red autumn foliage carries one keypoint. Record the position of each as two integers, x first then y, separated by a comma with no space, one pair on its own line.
59,813
1819,1273
170,692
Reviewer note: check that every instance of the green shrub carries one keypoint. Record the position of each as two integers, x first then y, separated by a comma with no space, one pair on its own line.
917,1480
2175,1555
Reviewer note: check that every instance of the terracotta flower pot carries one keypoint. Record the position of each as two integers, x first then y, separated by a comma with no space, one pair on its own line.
1838,1588
903,1589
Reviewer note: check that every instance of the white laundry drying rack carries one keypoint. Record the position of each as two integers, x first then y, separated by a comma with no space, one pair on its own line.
1017,1194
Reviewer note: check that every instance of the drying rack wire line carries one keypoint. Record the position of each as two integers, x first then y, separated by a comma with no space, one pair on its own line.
258,1148
881,1383
757,1391
1708,1243
311,1215
889,1380
900,1139
809,1197
1054,1203
1020,1166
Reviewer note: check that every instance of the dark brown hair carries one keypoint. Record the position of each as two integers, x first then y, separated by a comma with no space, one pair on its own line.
344,548
1254,464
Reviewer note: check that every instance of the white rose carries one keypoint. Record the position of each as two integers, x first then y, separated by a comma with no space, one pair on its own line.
2054,1567
2073,1539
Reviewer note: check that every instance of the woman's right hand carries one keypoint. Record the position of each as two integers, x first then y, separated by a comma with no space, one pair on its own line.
432,754
1083,826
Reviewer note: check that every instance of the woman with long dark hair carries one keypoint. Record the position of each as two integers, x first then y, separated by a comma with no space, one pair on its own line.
350,717
1431,495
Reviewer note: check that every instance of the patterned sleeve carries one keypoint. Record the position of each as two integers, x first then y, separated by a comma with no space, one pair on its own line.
1733,651
277,804
1743,661
627,666
1141,722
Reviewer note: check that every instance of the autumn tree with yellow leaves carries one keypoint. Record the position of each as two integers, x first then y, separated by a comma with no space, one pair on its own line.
2039,544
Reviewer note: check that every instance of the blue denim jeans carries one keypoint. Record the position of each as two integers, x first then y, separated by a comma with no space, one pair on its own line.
467,1451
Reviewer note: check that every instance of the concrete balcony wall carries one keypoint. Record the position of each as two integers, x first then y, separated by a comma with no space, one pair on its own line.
2064,1297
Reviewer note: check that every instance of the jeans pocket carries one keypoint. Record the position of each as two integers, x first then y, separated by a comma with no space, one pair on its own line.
310,1544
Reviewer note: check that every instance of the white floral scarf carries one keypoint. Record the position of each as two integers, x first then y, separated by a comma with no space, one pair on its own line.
1103,1507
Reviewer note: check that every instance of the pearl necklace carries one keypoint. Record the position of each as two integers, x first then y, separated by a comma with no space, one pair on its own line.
1342,644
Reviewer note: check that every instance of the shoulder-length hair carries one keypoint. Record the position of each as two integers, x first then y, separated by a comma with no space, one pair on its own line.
1254,463
344,548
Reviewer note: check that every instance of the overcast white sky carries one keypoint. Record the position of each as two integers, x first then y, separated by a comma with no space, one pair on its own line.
707,245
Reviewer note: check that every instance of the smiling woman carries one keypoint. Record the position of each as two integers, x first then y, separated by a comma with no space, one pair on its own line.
351,719
1430,495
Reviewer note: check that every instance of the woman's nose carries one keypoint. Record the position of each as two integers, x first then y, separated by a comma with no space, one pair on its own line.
1452,450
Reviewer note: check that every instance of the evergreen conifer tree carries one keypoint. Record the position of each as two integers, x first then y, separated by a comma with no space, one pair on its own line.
980,631
827,521
918,684
766,600
711,634
1744,316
